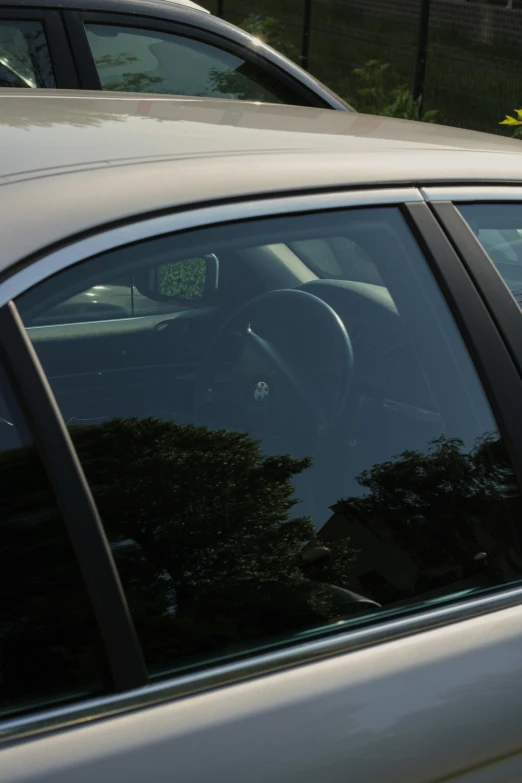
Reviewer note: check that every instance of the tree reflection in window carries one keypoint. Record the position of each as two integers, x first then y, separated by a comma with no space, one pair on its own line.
214,559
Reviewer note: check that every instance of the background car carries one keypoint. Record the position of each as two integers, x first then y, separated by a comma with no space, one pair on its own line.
260,445
154,46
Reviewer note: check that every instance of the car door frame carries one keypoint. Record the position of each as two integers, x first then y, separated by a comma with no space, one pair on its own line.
501,304
75,20
500,376
62,60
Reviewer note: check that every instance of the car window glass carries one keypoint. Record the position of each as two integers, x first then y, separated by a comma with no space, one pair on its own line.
170,287
309,453
113,299
50,652
139,60
24,55
499,229
338,258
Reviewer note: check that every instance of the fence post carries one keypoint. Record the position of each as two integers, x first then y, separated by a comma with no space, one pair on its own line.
305,43
219,9
422,52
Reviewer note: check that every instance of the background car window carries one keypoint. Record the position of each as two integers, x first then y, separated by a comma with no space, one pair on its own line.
24,55
50,652
137,60
309,453
499,229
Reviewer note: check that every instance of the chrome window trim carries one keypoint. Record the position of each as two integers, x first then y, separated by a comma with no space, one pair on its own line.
137,229
76,715
473,193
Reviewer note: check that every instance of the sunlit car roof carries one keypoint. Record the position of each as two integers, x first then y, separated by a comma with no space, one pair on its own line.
70,161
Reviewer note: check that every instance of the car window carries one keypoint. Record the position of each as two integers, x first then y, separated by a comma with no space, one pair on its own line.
499,229
50,652
171,287
301,459
24,55
338,258
139,60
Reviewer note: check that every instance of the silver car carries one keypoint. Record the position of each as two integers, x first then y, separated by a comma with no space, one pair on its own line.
260,445
149,46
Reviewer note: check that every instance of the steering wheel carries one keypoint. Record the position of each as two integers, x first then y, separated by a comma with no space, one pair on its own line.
281,364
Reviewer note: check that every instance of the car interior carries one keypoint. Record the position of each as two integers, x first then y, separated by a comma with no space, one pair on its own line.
115,351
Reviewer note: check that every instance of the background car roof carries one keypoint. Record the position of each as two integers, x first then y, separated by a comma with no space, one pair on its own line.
189,4
72,161
125,6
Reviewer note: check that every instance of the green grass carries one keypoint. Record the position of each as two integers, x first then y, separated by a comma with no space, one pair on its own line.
471,85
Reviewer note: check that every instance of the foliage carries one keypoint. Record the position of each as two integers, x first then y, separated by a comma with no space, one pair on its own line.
213,515
210,553
514,122
237,84
373,96
469,77
269,30
129,82
204,536
444,506
183,279
405,107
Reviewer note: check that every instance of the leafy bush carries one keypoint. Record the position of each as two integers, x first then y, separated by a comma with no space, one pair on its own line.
269,30
372,96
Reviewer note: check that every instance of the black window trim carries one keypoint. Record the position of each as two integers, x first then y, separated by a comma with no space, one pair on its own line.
34,395
89,79
498,373
466,305
57,40
502,306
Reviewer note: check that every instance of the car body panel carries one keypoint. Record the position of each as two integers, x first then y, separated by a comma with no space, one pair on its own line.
219,126
89,142
418,709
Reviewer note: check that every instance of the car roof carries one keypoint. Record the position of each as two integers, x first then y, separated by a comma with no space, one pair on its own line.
70,161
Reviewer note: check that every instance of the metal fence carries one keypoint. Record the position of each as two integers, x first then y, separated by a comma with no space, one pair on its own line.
461,57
